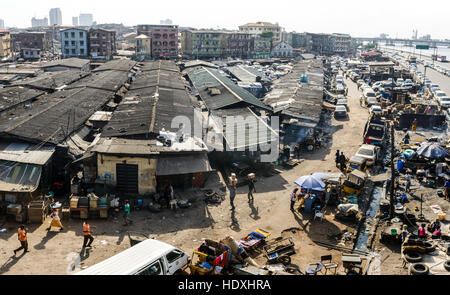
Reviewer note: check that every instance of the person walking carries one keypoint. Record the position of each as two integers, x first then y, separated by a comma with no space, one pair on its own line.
88,239
56,221
414,125
23,239
232,187
408,182
342,161
297,151
126,215
337,159
293,198
251,187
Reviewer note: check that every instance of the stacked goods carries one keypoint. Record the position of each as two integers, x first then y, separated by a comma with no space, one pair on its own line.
103,202
83,202
74,202
36,211
93,201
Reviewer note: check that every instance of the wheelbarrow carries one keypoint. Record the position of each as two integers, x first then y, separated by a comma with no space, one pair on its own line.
280,250
136,237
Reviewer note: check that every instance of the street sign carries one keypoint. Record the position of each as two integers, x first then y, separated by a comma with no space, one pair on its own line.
424,47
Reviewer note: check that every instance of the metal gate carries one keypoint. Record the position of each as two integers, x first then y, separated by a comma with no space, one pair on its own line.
127,178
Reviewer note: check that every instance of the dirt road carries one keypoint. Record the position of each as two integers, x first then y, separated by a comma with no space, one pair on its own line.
59,252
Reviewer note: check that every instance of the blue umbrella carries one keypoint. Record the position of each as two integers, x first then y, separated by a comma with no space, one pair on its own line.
310,182
319,175
432,151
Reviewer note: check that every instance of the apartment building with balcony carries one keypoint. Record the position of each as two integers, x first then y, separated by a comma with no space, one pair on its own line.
203,44
5,44
260,27
164,39
102,44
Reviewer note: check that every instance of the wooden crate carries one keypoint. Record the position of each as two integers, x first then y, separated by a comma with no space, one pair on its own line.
93,204
84,214
103,212
74,202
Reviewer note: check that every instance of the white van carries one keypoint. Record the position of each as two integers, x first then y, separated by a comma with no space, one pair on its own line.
149,257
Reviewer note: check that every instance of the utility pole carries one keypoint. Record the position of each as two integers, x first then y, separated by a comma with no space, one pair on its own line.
392,192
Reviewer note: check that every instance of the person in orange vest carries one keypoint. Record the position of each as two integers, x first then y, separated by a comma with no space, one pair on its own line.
87,234
22,236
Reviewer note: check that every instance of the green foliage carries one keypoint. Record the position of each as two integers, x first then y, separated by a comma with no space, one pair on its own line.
267,34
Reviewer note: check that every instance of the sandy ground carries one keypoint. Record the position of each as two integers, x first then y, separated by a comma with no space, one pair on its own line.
59,252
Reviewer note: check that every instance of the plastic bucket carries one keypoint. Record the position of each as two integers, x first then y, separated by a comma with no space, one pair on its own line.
400,165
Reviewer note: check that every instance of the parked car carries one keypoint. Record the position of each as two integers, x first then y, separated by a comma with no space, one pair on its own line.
400,81
342,102
340,112
149,257
444,102
438,94
370,152
376,109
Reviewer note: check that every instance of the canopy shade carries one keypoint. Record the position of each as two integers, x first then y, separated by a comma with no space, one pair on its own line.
432,151
310,182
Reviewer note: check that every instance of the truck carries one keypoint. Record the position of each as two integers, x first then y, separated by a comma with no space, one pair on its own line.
437,57
412,59
375,131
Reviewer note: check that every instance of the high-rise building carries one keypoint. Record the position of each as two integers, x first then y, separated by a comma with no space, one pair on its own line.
55,16
165,22
75,21
2,24
86,19
39,22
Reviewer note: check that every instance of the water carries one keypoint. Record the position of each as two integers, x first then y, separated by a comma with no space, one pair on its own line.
361,242
441,50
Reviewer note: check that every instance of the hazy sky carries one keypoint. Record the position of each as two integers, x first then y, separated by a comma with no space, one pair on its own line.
398,18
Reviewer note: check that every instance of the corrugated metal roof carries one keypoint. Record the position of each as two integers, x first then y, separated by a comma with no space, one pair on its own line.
25,153
68,62
55,116
52,80
104,80
182,164
235,138
19,177
151,104
117,65
13,96
207,80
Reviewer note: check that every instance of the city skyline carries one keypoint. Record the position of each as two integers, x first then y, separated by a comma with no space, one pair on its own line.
338,17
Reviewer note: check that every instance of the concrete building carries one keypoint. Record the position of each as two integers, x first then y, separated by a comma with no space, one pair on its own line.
143,46
239,44
298,40
282,49
102,44
203,43
2,24
86,19
30,44
165,22
55,16
75,21
259,27
340,43
5,43
164,39
39,22
74,43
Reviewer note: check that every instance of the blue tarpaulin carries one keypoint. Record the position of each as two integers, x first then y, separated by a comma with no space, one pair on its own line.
432,150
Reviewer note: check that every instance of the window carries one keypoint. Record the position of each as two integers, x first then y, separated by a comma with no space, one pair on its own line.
66,43
67,51
82,51
81,43
73,51
174,255
72,34
73,43
66,35
152,270
81,34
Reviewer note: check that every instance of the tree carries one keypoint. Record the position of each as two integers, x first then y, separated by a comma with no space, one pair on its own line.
268,34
